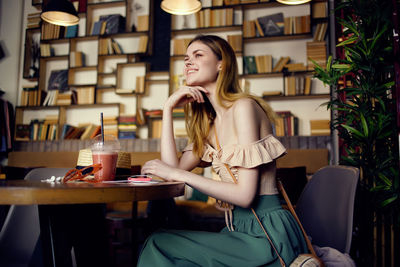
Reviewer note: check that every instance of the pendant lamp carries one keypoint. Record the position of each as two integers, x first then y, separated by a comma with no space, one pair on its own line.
293,2
181,7
60,12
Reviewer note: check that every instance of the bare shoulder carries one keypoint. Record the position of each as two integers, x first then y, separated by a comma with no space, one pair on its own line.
247,111
247,107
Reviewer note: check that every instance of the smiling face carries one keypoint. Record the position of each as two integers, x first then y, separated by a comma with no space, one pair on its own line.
201,65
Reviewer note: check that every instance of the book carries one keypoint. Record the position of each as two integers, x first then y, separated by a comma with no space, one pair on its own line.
142,23
260,31
280,64
320,127
97,27
143,44
71,31
140,85
272,24
319,10
250,64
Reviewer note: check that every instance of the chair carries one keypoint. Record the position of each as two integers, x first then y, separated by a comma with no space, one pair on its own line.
20,233
325,207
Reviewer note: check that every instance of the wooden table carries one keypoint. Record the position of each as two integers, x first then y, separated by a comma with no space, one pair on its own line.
46,195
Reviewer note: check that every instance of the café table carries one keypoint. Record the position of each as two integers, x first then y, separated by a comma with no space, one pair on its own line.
46,195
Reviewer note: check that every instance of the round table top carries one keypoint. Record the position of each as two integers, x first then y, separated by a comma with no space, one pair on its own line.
23,192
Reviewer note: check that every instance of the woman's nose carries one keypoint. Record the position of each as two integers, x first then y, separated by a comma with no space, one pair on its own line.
188,62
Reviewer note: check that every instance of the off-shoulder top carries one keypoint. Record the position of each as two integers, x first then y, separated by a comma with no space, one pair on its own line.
258,153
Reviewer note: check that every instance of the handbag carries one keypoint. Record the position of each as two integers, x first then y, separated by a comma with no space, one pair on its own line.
302,260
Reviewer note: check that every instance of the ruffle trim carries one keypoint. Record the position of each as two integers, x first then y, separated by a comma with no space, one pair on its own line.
248,156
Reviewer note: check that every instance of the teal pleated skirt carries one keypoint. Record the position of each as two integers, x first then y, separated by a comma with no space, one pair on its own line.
246,246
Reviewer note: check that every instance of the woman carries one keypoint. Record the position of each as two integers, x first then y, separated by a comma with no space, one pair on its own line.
219,114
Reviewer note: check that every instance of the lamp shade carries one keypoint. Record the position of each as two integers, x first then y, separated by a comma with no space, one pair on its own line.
181,7
293,2
60,12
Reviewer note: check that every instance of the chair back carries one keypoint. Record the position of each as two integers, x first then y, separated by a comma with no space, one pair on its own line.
21,229
325,207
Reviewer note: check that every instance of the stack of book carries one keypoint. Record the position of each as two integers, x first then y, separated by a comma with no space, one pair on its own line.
108,46
64,98
320,127
320,31
317,52
178,113
51,31
236,42
46,50
214,17
84,95
319,10
110,124
127,127
297,25
297,85
91,130
286,124
33,20
44,129
258,64
29,96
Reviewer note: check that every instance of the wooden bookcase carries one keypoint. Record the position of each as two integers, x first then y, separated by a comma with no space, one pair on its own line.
289,44
98,74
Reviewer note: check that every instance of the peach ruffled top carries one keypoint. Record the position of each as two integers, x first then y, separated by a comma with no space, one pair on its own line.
251,155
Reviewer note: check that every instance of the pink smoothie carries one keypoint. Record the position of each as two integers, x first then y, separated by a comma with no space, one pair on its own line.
108,160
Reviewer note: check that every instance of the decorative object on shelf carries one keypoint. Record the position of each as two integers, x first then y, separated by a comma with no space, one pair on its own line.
271,24
58,80
181,7
60,12
293,2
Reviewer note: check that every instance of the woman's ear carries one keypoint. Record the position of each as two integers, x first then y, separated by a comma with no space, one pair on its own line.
219,66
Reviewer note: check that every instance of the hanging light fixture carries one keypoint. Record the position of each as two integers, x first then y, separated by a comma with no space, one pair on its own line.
60,12
181,7
293,2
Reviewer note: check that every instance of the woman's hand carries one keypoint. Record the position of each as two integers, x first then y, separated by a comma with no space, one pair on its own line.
158,168
186,94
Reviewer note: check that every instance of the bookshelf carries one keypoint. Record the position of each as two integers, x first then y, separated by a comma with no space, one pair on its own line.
251,41
101,66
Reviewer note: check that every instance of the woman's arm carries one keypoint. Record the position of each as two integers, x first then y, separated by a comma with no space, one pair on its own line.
242,193
168,147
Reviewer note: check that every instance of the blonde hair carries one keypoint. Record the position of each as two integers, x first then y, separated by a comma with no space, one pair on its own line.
200,117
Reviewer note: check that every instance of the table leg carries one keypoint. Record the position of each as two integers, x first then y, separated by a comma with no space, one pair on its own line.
46,236
135,245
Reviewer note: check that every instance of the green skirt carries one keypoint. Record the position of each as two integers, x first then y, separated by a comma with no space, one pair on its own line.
246,246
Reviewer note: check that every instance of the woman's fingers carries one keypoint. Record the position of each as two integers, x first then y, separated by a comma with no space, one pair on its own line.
195,93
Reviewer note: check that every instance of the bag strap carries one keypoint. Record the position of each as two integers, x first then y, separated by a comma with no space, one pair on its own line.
254,212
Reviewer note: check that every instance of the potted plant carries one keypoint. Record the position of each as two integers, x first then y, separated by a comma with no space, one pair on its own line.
362,80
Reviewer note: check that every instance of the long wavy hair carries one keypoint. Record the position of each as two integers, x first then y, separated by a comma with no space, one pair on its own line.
200,116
